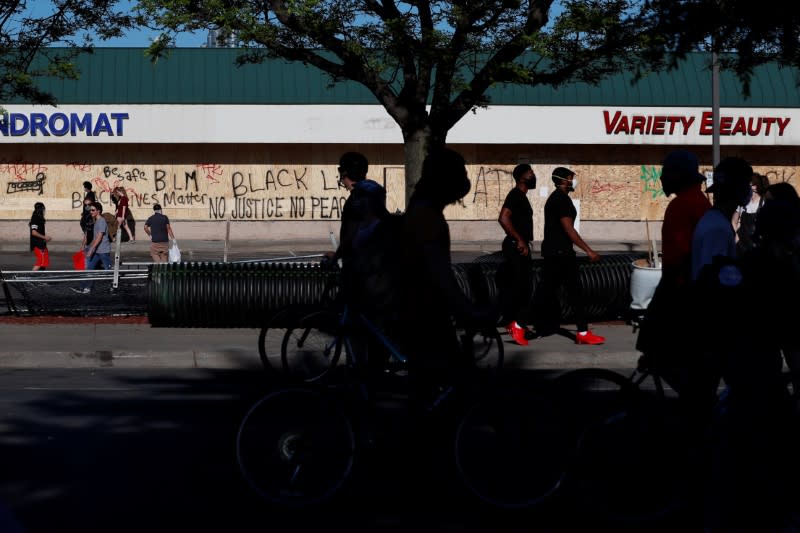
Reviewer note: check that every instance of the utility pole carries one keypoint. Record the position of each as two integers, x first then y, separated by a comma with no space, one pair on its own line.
714,102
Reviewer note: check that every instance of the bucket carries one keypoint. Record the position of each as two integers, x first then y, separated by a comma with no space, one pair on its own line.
644,279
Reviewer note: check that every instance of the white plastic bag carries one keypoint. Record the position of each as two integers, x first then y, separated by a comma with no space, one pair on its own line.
174,252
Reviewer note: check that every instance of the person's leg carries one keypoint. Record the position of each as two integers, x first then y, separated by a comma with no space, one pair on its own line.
506,277
123,224
91,264
524,292
105,259
547,307
41,259
570,279
159,252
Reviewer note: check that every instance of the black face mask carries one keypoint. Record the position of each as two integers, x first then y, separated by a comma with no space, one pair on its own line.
530,182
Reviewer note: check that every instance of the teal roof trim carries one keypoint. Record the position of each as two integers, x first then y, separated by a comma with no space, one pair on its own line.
210,76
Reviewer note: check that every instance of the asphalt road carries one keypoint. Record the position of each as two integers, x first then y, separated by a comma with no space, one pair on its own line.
100,450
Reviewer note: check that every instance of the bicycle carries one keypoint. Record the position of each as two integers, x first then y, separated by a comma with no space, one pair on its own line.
270,336
298,446
630,462
313,348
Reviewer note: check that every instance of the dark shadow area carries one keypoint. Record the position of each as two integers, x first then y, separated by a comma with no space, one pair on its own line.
152,450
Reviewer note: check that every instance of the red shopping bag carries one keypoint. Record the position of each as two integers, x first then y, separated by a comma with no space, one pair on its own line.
79,260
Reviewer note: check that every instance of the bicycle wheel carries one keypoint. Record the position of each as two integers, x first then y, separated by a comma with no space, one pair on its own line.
295,448
629,464
312,348
507,452
484,347
270,338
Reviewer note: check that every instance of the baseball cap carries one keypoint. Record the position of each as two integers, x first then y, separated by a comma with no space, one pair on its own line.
682,163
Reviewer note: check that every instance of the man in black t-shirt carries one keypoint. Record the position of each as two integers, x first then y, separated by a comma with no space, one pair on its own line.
159,229
560,266
516,276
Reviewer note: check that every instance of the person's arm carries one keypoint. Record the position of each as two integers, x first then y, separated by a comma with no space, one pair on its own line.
169,232
569,228
505,222
736,222
147,230
35,233
98,237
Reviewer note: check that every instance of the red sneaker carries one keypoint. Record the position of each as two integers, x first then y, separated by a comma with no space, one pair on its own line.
589,338
517,333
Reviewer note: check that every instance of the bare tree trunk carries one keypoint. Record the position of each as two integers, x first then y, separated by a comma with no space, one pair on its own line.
414,151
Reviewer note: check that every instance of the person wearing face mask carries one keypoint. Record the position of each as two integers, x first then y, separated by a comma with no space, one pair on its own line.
560,265
516,280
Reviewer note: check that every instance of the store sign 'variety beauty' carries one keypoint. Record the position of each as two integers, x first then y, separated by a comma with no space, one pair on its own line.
619,123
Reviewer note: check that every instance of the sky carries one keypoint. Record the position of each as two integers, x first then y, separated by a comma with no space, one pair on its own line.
143,38
135,39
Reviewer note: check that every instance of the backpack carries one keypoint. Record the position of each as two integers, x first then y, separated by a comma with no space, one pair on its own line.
113,225
372,273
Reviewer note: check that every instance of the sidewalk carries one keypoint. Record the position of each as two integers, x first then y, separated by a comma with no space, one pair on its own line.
37,343
239,247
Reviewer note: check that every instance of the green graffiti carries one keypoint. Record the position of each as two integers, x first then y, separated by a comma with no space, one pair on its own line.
650,177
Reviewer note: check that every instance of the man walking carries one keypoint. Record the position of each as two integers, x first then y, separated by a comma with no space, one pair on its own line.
516,219
160,231
560,266
99,251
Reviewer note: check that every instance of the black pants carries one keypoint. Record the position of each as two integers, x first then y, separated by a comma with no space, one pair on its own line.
559,272
516,284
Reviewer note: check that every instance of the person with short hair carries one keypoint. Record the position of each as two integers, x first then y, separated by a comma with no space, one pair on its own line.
159,229
99,252
366,203
560,265
516,278
88,193
39,238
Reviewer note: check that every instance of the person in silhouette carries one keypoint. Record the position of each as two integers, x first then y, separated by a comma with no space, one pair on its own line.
560,265
660,337
432,298
516,280
744,219
753,487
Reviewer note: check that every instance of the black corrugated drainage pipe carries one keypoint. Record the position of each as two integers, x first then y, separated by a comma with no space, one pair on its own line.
234,295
